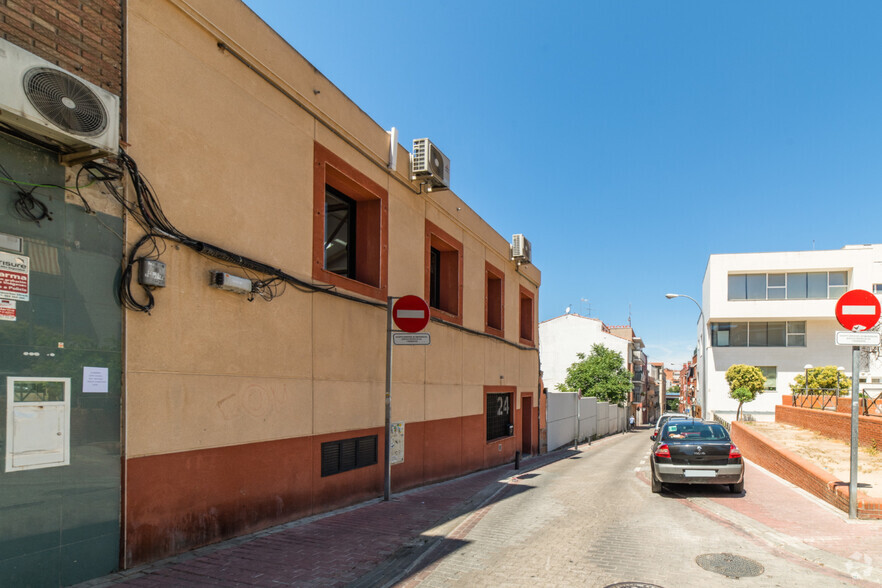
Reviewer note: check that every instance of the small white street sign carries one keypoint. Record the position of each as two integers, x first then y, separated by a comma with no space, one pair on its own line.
858,338
411,338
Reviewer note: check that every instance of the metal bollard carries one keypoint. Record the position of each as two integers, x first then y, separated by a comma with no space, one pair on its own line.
517,460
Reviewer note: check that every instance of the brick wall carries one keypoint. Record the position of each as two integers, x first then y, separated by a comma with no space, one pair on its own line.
869,406
81,36
836,425
794,468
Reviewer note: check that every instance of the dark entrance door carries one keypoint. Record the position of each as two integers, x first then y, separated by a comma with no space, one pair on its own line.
527,425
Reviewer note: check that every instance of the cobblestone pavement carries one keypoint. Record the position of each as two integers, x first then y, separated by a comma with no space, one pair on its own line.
591,520
570,518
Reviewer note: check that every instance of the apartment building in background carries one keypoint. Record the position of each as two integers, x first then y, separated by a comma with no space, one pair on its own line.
563,337
776,311
230,376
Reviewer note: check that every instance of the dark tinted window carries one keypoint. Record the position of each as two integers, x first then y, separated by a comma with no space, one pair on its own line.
690,430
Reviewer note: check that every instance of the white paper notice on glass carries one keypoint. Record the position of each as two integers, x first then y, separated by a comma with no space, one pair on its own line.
94,380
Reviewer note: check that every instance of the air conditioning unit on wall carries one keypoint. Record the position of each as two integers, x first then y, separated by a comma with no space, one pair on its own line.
427,162
520,249
43,101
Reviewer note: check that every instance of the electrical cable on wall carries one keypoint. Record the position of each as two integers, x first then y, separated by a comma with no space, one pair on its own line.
148,214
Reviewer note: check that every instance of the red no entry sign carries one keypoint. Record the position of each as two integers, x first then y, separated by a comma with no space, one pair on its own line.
857,310
410,313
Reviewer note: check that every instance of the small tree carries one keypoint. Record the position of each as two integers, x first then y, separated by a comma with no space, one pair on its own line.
672,404
823,380
746,382
601,374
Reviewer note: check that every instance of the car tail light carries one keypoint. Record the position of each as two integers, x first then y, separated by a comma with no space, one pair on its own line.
665,451
734,452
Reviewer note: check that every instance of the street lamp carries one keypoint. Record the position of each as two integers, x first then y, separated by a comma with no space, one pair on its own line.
702,380
807,367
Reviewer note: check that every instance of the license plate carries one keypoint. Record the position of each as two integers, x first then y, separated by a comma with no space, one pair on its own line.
699,473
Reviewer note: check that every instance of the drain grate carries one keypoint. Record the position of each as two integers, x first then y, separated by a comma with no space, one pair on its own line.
729,565
632,585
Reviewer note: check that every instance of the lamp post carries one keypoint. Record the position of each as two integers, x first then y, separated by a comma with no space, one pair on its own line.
702,380
807,367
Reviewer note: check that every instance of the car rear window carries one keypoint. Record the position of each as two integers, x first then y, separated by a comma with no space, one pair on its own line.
680,430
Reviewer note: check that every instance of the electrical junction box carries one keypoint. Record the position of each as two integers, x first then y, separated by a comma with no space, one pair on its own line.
229,282
151,272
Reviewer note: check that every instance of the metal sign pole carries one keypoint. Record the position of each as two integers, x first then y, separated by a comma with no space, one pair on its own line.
855,400
387,479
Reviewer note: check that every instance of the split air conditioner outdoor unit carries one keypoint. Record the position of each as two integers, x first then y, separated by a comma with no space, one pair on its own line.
520,249
45,102
427,162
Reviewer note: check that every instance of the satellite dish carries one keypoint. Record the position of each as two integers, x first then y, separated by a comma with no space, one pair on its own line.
568,310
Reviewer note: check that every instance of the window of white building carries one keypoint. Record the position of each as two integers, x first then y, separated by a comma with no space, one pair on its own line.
771,375
789,286
758,334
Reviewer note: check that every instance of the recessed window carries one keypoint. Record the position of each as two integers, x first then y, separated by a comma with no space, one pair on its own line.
771,375
795,333
494,312
776,287
443,274
499,415
527,322
348,454
758,334
350,232
838,284
339,233
790,286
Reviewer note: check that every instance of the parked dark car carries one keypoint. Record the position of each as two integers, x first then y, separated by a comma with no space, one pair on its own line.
664,419
695,452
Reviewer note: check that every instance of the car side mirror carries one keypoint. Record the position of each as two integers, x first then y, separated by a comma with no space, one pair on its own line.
652,436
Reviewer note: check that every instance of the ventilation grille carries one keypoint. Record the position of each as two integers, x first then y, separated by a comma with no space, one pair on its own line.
65,101
436,161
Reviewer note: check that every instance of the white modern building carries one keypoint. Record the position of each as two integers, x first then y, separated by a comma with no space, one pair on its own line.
776,311
563,337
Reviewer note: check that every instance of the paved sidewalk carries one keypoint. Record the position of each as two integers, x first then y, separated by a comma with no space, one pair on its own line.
790,519
364,544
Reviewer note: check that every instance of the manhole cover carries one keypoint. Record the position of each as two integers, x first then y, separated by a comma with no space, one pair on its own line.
632,585
729,565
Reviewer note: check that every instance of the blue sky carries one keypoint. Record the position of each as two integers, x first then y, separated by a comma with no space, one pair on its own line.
628,140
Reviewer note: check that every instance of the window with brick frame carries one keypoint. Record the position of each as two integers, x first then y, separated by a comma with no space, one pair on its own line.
494,300
350,227
527,316
443,274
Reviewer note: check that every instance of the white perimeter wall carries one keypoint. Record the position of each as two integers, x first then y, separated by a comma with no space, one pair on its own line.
596,419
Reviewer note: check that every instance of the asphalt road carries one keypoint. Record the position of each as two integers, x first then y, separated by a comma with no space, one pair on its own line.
591,520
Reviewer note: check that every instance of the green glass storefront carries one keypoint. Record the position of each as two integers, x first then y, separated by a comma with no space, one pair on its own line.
60,362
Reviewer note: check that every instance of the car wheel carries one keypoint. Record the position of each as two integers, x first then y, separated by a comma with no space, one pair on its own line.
655,484
737,488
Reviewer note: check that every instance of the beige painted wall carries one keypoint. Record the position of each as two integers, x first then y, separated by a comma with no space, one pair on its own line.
231,160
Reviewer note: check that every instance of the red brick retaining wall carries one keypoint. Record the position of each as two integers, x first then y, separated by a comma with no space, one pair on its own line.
796,469
835,425
872,407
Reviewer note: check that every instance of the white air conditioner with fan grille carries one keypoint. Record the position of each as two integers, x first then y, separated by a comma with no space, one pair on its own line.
43,101
520,249
427,162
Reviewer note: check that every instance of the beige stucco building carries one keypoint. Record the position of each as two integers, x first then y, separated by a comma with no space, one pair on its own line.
244,413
